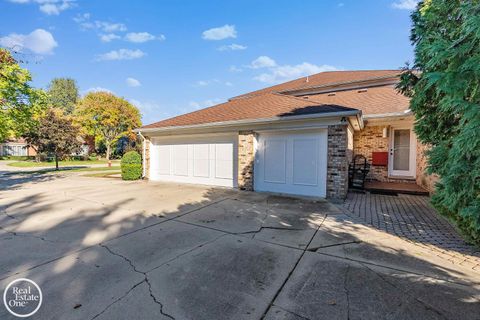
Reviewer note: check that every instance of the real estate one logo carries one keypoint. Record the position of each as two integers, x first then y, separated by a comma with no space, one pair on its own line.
22,297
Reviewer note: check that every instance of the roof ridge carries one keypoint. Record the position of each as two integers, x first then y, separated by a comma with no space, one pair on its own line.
337,83
326,84
293,97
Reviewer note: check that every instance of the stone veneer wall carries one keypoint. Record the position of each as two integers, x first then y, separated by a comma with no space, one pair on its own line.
425,180
246,157
365,142
147,158
337,167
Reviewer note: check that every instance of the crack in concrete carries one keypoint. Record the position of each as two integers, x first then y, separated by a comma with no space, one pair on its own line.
399,270
347,293
16,234
117,300
291,271
314,249
119,236
424,304
10,216
291,312
186,252
271,228
130,262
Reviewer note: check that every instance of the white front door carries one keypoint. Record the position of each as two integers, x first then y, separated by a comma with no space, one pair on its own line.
292,163
402,156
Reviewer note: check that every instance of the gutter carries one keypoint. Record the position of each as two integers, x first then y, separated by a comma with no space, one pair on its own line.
407,112
252,121
143,154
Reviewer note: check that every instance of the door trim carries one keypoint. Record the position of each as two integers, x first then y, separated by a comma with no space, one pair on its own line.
412,172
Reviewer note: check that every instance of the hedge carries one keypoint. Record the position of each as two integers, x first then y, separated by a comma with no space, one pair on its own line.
131,166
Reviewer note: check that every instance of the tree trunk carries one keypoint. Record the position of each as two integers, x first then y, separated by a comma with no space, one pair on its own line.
56,161
108,151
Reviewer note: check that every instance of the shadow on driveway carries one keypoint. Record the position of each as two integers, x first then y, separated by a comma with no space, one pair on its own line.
108,249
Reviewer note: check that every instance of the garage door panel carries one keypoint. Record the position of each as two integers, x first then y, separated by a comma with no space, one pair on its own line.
274,151
292,163
305,159
201,161
223,161
163,159
197,160
180,160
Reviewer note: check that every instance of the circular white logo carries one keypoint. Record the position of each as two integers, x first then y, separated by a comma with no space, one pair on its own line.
22,297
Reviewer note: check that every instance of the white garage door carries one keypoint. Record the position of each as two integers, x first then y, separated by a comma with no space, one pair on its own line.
200,160
293,163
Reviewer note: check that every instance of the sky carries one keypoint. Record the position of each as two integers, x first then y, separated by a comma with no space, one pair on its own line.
176,56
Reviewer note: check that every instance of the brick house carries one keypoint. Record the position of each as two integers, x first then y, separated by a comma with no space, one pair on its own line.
295,138
16,148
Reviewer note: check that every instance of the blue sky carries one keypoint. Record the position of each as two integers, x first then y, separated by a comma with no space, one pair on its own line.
172,57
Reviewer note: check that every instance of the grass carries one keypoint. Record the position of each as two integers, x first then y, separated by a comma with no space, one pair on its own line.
30,164
110,170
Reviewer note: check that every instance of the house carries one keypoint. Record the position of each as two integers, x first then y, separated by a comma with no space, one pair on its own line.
295,138
16,148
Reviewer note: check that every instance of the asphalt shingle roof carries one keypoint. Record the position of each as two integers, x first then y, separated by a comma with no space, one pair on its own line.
275,102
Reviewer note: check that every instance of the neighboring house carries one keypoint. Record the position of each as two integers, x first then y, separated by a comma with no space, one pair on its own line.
294,138
17,148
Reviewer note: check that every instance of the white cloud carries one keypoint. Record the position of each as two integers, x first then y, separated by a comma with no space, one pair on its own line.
139,37
196,105
107,27
204,83
405,4
50,7
287,72
38,41
232,47
54,8
98,89
220,33
108,37
262,62
235,69
151,111
132,82
121,54
82,17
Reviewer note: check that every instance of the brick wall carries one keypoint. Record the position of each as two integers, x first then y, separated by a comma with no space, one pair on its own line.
365,142
147,157
246,157
337,167
425,180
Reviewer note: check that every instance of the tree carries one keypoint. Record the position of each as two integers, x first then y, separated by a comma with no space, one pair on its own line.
445,98
63,94
105,115
20,104
55,134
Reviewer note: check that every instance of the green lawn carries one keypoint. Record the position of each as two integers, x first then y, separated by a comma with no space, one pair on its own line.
109,170
30,164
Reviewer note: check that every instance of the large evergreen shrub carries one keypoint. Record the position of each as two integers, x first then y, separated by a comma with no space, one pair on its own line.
131,165
445,91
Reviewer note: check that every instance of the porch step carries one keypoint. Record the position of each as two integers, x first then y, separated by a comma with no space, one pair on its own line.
395,187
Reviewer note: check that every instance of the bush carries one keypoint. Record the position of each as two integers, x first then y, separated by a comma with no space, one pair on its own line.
131,165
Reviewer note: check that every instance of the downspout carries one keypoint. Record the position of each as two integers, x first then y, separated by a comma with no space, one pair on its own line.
144,151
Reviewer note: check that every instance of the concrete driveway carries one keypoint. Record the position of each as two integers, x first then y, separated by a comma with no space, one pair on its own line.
107,249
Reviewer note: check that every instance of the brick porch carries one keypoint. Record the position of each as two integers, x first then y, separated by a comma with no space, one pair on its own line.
413,218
